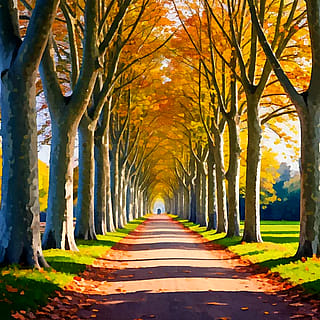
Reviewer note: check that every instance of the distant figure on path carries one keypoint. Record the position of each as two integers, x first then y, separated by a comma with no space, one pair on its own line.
158,211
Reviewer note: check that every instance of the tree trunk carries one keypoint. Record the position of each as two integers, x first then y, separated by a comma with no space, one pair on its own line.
175,203
113,184
233,177
193,195
20,221
123,197
181,200
19,60
222,225
103,200
203,221
100,188
132,200
198,190
135,199
85,228
309,243
211,191
128,201
59,231
252,201
186,202
140,201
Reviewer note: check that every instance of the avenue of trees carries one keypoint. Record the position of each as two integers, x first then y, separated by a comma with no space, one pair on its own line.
166,100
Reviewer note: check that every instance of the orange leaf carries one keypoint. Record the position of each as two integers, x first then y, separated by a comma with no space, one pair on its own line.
17,315
11,289
244,308
217,303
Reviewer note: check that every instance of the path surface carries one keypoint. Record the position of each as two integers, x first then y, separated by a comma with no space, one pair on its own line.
163,271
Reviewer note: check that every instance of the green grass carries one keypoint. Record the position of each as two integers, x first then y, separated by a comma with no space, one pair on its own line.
27,289
281,240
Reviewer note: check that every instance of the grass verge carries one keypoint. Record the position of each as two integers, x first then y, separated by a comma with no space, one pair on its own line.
27,289
281,240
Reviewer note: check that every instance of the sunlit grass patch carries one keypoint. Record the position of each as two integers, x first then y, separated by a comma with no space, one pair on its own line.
281,239
27,289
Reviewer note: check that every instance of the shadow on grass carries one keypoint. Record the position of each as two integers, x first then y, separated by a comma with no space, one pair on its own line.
95,243
312,286
228,242
280,239
280,222
276,262
29,296
65,264
281,232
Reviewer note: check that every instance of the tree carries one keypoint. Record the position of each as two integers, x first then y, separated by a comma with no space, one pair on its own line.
308,108
19,61
66,113
253,73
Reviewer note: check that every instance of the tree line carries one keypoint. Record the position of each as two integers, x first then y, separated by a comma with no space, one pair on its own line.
230,48
120,74
86,63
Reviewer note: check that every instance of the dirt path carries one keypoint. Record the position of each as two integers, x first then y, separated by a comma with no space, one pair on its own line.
162,271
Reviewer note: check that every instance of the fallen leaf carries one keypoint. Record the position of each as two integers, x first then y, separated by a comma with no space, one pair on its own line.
266,312
218,303
244,308
297,304
51,308
11,289
18,316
